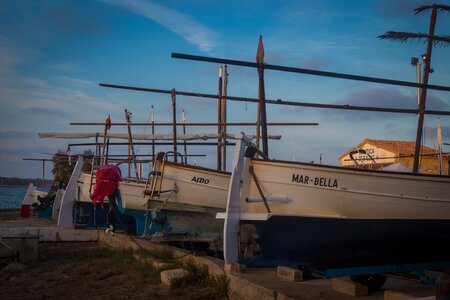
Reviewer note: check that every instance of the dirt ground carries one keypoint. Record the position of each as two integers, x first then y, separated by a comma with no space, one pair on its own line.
86,271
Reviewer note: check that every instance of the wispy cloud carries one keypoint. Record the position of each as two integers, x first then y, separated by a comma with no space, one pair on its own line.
183,25
45,112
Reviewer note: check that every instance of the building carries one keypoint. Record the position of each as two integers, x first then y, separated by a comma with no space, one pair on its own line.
392,155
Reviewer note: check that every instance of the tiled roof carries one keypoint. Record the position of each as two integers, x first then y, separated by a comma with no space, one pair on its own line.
398,147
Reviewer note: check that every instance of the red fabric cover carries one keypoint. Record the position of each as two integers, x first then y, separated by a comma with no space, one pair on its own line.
106,183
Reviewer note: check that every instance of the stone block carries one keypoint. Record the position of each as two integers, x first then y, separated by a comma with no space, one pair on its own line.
159,264
234,267
290,274
395,295
281,296
168,276
242,289
347,286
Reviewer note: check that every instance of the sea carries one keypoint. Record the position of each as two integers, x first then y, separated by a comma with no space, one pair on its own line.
11,196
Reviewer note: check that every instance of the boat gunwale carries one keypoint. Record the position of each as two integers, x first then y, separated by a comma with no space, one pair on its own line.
355,170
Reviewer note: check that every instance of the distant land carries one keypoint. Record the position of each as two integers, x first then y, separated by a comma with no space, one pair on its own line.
8,181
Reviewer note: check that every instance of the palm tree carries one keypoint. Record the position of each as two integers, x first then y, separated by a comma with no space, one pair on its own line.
63,167
431,39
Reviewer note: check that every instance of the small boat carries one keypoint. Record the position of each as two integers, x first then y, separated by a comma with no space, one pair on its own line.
31,200
182,204
290,213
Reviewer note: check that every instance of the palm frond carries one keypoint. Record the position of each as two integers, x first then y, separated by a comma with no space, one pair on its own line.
443,40
440,7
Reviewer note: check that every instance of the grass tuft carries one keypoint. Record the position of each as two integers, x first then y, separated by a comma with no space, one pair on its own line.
198,276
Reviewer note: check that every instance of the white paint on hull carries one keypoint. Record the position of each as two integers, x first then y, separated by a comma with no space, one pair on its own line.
190,190
319,191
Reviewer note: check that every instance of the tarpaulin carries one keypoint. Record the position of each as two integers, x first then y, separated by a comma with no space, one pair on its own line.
106,182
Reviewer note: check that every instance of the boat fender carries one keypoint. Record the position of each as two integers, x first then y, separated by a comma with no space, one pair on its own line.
160,156
250,152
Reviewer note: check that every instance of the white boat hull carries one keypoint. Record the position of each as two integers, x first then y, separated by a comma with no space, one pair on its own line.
186,208
194,187
300,214
314,190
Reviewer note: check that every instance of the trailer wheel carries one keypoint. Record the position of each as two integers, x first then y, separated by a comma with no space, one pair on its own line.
373,281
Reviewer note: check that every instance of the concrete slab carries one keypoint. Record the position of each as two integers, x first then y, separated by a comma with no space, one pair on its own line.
50,234
27,248
395,295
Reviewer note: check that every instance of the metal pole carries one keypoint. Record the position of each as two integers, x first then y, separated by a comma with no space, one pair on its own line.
183,120
219,128
419,79
96,145
423,94
439,141
129,163
107,127
43,174
204,124
309,71
156,143
153,132
107,152
174,121
283,102
130,140
224,120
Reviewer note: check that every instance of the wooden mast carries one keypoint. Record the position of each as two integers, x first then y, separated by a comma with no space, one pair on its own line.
262,97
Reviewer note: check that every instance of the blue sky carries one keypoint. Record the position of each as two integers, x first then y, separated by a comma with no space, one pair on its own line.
54,54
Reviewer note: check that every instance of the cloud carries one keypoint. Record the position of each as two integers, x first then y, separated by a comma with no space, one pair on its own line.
5,134
315,63
183,25
389,97
396,8
45,112
73,19
67,67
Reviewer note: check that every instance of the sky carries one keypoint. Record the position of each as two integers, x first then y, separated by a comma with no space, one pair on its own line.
53,55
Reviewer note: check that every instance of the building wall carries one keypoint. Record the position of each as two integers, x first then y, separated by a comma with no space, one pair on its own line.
381,156
384,158
428,164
